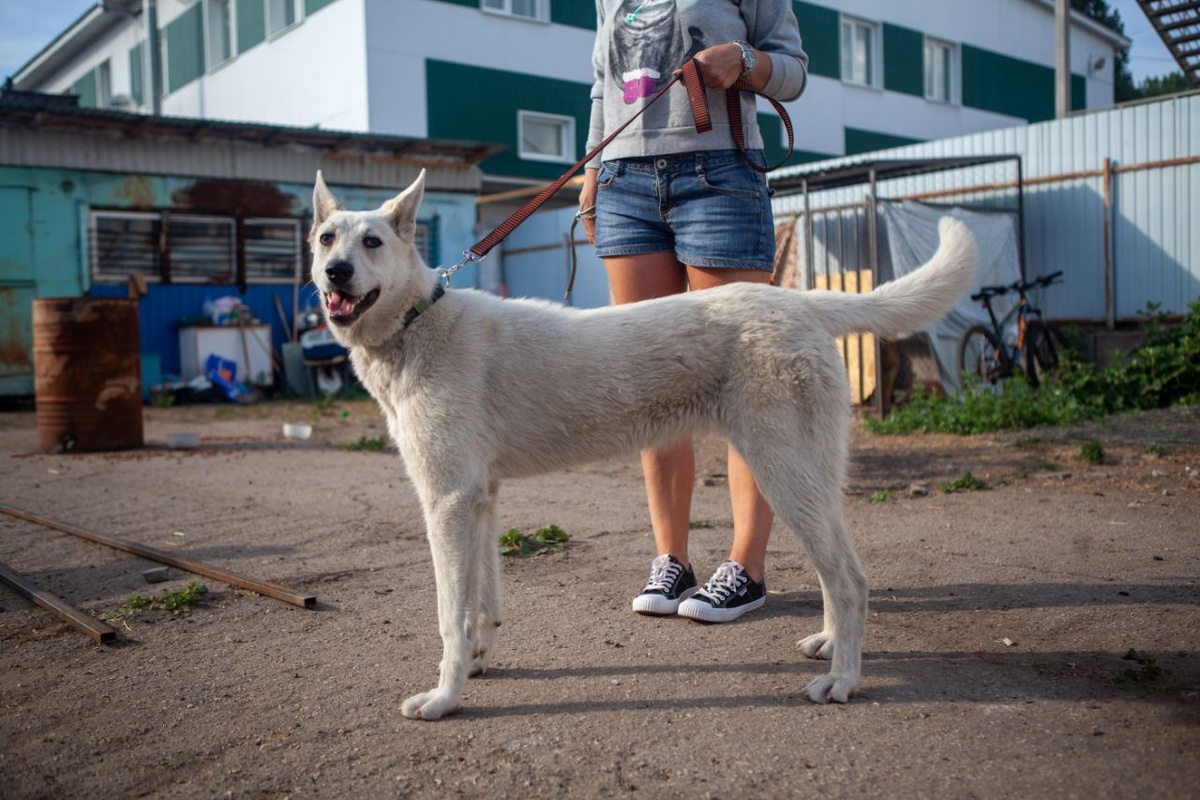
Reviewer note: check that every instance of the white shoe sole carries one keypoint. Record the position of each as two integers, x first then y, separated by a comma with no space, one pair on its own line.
659,606
706,612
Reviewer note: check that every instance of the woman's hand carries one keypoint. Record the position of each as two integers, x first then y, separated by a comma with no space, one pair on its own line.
721,65
587,203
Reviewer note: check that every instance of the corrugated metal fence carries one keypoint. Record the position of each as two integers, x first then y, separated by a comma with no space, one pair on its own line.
1112,198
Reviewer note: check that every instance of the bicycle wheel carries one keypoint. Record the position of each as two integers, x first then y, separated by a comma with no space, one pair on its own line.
1041,354
979,355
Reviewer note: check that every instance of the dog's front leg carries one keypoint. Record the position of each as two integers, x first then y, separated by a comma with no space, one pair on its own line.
488,601
454,523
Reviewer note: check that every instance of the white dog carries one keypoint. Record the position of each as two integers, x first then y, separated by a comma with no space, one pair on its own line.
477,388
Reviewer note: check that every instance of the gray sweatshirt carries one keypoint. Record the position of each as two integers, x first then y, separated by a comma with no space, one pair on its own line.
639,44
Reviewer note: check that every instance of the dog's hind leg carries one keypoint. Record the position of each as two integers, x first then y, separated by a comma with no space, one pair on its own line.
454,522
488,603
844,592
805,494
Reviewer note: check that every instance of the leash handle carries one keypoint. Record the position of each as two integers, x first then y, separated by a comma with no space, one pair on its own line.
689,74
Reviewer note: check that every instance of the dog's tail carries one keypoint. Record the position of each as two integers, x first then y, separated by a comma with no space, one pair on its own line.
912,302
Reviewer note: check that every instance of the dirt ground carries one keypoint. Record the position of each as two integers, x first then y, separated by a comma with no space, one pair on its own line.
993,667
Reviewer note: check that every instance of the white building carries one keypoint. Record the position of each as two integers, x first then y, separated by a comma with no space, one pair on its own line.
517,72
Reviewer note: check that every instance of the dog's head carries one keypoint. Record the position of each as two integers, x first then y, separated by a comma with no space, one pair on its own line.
366,265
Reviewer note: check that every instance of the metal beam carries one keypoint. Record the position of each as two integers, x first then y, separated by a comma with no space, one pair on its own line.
93,627
267,588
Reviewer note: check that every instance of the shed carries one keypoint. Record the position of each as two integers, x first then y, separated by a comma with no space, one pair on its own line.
187,212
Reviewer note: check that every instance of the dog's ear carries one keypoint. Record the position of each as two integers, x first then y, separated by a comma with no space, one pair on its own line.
324,203
401,210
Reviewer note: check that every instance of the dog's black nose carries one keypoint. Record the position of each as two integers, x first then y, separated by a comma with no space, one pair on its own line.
339,272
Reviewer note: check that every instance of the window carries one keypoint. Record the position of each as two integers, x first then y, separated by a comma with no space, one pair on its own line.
941,71
530,9
281,14
201,248
546,137
860,52
191,248
272,248
219,29
124,244
104,85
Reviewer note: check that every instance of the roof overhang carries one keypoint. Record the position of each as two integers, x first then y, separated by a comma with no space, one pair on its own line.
96,22
841,173
1082,20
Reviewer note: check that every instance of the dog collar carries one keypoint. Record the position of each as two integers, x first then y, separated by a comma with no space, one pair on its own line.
423,305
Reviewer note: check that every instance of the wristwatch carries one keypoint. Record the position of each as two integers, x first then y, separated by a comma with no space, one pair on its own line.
749,59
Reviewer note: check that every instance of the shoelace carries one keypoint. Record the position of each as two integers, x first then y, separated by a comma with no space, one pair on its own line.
663,573
723,583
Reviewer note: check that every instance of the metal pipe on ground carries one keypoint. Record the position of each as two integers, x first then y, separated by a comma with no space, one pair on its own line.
93,627
267,588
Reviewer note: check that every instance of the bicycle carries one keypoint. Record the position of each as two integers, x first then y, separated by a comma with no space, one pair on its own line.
994,353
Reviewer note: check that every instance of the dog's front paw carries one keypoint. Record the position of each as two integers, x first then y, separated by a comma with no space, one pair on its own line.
429,706
819,645
828,689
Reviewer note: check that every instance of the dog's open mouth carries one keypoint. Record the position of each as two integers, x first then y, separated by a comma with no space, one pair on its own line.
344,308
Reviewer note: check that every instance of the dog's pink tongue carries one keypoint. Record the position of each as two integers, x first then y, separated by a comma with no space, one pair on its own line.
339,304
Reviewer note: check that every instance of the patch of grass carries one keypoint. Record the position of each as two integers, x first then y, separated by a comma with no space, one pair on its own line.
368,443
1156,450
1092,452
550,539
882,496
132,605
699,524
965,483
1147,671
175,602
1047,466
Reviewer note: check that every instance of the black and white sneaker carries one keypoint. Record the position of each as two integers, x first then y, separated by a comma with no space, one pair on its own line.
670,584
728,594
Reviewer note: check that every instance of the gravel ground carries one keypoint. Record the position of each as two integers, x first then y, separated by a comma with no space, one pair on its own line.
995,661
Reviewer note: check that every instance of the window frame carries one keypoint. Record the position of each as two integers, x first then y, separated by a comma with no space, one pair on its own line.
566,136
953,77
98,276
541,9
874,67
214,60
297,16
171,221
297,248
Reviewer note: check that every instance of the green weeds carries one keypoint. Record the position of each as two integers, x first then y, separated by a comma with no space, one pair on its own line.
1147,671
550,539
174,602
965,483
372,444
1092,452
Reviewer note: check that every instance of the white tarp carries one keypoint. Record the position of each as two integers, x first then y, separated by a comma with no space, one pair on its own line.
912,238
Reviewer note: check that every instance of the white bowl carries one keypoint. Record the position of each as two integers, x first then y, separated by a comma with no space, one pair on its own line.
296,430
183,441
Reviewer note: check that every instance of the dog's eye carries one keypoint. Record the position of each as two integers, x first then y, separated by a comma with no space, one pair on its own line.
326,239
372,242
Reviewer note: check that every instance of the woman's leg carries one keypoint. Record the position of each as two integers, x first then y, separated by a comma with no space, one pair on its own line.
752,515
669,471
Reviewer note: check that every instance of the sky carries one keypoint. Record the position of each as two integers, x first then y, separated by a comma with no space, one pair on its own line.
26,26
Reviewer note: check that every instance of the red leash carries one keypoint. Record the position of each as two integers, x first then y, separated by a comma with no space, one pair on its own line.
693,81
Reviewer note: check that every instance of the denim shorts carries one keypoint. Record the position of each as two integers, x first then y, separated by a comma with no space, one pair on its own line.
710,208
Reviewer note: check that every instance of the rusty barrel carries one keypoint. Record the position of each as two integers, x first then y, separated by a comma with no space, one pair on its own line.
87,374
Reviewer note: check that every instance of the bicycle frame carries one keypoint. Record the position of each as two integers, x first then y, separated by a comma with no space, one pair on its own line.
1007,357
